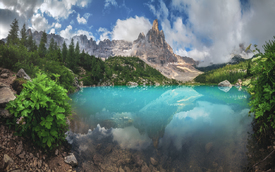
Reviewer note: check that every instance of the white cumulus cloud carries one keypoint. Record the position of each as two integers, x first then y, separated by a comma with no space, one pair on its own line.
104,34
39,22
84,32
110,2
57,25
66,33
81,20
130,28
52,31
87,15
212,30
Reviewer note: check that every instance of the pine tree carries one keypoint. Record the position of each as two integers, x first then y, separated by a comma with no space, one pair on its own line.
77,53
13,33
64,52
23,33
81,58
42,50
30,42
71,61
248,71
55,46
58,54
51,47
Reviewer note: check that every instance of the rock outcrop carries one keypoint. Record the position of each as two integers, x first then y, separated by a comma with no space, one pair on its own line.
151,48
22,74
6,95
224,83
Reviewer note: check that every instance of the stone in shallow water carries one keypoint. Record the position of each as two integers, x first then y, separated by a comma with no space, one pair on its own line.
153,161
71,160
97,159
208,147
145,168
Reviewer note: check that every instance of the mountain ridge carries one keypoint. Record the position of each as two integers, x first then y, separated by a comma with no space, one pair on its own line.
151,48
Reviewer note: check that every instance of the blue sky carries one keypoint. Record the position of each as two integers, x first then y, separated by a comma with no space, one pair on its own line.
206,30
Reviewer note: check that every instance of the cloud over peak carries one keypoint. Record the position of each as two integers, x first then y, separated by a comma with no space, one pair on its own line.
81,20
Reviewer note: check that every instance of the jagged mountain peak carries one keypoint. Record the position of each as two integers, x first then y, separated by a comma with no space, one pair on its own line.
151,48
155,26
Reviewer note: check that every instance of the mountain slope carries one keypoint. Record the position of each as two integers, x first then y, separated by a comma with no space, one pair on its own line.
151,48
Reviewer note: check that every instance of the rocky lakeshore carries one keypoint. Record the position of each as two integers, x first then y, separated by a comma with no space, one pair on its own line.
18,154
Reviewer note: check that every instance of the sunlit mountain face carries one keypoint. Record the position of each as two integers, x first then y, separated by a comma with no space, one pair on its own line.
208,32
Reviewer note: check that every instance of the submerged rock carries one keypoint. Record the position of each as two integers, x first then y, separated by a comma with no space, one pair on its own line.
71,160
153,161
208,147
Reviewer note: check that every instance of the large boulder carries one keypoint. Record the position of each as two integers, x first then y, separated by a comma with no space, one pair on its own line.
22,74
224,83
3,85
239,82
6,95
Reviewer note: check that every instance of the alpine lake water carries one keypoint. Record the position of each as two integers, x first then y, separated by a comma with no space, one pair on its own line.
171,128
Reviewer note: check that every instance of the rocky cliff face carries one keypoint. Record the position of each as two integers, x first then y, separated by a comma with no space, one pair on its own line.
103,49
151,48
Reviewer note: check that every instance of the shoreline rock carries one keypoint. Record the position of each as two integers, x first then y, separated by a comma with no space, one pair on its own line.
225,83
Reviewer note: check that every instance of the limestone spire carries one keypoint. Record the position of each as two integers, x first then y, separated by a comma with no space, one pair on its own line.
155,25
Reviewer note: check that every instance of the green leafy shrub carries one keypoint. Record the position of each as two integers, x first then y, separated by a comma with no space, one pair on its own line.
262,88
42,106
229,72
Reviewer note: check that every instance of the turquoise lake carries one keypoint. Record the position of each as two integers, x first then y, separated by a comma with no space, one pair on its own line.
184,128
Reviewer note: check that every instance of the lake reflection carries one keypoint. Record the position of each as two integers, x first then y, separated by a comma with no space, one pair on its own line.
185,128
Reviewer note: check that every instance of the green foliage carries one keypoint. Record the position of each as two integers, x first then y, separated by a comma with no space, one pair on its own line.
64,52
127,69
229,72
77,53
262,88
23,34
13,33
31,44
248,73
42,50
71,60
41,107
53,67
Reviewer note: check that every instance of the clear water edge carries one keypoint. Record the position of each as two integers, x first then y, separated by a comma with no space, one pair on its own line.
196,127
